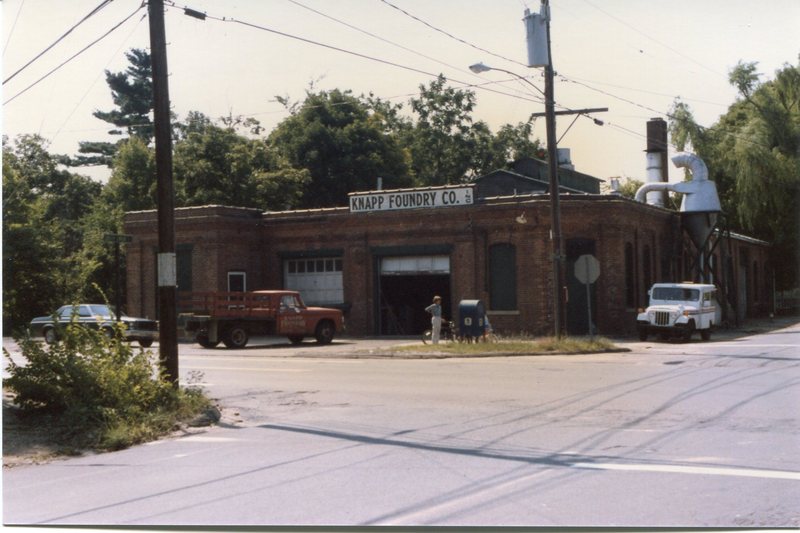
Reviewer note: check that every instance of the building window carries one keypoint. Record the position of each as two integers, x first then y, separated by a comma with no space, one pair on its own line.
237,281
756,288
318,280
630,276
647,268
183,267
503,277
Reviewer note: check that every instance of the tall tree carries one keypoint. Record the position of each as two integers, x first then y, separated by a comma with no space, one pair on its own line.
491,152
753,153
216,165
43,229
343,145
131,92
443,140
132,185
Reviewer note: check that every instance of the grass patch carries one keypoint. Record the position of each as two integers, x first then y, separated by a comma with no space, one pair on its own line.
519,345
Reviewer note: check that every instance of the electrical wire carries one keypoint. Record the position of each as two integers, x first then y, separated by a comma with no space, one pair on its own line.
306,40
13,26
628,101
650,37
93,12
460,40
383,39
106,34
88,90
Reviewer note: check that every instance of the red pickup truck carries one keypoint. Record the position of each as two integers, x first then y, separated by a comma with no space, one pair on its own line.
232,317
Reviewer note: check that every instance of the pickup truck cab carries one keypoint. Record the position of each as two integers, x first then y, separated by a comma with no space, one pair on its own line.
232,317
678,310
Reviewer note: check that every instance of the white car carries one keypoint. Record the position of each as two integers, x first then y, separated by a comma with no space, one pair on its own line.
678,310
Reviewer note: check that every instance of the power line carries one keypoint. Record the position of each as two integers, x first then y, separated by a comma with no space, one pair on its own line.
115,54
106,34
650,37
361,30
462,41
656,93
13,26
349,52
93,12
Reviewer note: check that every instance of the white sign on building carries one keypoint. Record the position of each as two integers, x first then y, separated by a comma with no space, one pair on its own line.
411,199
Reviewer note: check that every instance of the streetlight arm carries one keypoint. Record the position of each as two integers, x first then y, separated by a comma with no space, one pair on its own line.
478,68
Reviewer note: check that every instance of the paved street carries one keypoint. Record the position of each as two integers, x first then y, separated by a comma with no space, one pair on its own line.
684,434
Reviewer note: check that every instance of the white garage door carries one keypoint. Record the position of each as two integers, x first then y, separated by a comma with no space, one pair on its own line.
318,280
411,265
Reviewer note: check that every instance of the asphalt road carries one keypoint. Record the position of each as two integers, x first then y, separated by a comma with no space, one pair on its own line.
668,434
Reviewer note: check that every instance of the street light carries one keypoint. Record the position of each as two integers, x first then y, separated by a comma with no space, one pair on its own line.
479,68
552,167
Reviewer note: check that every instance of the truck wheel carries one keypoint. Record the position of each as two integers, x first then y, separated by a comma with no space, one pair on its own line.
325,332
203,341
687,333
705,334
295,339
236,337
145,343
642,334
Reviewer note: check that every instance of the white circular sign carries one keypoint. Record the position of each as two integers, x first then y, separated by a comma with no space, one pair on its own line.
587,268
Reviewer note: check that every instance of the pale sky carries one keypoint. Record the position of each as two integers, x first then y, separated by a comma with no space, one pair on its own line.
632,56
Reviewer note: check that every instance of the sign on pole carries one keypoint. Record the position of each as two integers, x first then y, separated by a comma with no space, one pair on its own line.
587,270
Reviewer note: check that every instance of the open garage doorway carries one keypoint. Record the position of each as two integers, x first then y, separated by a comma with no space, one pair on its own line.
407,286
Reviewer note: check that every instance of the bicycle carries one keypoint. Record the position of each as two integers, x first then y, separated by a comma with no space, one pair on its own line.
446,334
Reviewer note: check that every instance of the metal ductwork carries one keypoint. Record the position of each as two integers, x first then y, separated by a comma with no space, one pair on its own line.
700,203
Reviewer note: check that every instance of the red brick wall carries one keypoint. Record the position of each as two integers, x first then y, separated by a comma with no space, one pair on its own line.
226,239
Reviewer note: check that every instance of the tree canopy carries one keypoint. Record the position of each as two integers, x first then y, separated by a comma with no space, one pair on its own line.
342,142
753,154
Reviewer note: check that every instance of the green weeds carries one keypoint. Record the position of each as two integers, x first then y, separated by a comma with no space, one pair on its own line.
97,391
516,346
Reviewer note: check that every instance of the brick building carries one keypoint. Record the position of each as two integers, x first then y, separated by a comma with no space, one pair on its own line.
382,258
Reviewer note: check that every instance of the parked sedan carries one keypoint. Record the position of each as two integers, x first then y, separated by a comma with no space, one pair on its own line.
98,316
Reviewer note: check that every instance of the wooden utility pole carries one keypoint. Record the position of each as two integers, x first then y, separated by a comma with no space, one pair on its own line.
552,168
167,279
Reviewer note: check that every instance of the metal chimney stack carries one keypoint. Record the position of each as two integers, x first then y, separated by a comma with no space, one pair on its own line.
657,163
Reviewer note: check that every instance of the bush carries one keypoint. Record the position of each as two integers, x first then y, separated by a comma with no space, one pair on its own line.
103,393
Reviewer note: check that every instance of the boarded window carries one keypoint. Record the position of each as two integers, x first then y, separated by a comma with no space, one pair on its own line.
503,277
630,276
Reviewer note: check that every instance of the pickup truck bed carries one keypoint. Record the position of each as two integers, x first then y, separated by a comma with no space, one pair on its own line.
232,317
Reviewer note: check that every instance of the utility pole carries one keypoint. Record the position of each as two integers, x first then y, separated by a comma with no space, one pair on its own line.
540,55
552,169
167,279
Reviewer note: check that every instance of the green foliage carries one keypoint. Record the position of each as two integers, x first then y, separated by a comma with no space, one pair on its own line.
44,225
753,155
132,94
215,165
132,185
103,393
342,144
442,142
518,346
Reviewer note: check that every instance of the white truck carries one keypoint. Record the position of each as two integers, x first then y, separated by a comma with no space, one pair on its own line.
678,310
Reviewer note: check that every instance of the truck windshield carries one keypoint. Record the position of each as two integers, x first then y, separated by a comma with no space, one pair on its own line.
676,294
